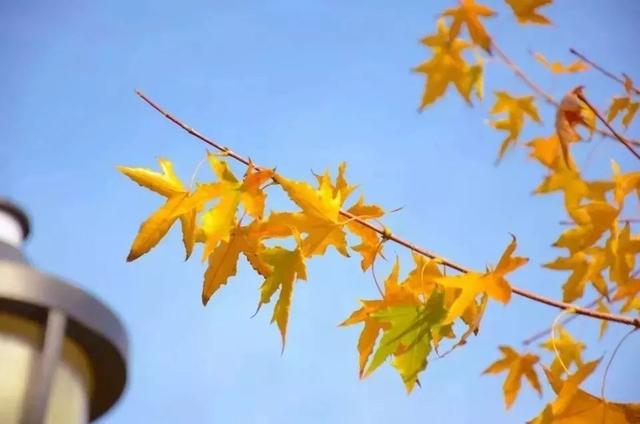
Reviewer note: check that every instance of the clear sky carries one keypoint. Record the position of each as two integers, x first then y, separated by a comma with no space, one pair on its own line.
301,86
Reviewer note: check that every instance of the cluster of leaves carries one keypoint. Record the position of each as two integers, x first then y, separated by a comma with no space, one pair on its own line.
600,251
227,217
416,314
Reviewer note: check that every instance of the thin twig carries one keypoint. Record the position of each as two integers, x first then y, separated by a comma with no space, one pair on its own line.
601,69
388,236
620,138
539,91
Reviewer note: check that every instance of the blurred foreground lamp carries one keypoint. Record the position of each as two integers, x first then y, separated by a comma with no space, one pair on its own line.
62,351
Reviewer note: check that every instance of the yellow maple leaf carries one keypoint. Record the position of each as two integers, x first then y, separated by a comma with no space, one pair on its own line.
287,267
586,408
516,109
165,183
180,204
569,181
247,192
546,150
370,245
560,68
447,66
469,13
319,219
571,385
219,220
622,250
519,366
526,11
154,228
370,331
593,220
365,211
585,266
222,262
491,282
253,197
575,406
394,294
624,183
566,349
341,186
625,107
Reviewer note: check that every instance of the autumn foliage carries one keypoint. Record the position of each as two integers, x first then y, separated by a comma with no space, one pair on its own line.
427,311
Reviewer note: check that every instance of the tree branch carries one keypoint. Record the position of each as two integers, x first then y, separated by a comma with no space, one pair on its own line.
619,137
601,69
384,233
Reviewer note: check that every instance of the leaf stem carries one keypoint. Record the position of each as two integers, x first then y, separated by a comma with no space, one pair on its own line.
553,339
388,236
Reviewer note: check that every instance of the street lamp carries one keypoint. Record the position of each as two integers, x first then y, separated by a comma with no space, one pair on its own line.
62,351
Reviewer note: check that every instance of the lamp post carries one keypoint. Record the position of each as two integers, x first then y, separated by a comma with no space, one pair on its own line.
62,351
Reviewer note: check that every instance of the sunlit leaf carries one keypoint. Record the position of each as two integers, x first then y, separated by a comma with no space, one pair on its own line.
516,110
287,267
519,366
447,66
493,283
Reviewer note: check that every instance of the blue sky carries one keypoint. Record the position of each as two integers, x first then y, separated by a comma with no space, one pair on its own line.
301,86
